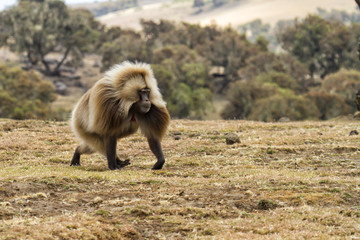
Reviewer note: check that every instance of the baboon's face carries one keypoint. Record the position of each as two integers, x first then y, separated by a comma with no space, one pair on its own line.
143,106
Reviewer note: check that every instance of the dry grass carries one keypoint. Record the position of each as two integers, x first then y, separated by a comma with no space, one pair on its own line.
297,180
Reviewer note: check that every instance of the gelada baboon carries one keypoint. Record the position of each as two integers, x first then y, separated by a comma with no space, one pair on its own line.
126,98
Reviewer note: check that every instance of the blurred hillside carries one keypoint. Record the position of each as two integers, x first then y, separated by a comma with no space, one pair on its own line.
231,13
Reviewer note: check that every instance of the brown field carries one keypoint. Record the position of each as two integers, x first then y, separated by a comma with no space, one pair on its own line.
296,180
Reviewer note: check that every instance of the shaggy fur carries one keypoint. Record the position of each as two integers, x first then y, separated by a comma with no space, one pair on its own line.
106,109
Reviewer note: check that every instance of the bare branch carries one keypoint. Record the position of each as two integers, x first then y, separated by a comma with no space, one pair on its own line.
62,60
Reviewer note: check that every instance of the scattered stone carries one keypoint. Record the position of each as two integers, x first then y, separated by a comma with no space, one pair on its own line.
67,69
194,135
308,142
97,200
97,64
284,119
51,60
60,88
74,77
354,132
177,135
232,138
250,193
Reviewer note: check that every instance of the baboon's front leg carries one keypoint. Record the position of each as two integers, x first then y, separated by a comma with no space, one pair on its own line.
110,148
155,147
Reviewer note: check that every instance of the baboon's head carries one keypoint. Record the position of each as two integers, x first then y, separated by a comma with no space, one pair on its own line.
143,105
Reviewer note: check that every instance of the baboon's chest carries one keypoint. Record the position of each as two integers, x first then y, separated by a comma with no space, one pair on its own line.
128,128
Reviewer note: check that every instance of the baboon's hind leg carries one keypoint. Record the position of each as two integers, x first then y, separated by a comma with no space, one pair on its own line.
81,149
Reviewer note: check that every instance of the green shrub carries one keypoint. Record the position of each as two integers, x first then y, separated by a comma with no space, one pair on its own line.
283,104
345,83
329,105
242,96
23,94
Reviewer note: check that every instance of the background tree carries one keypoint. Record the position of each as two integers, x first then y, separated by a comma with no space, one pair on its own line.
330,105
242,96
343,83
319,43
255,29
283,104
268,62
358,3
120,45
183,74
267,101
38,28
24,95
229,50
172,50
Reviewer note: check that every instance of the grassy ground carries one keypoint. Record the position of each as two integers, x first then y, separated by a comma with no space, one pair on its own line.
283,181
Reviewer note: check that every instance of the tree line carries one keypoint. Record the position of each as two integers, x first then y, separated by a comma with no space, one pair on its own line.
315,76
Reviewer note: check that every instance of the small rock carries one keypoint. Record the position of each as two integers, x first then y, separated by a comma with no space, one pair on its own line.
250,193
27,210
354,132
176,135
60,88
74,77
194,135
232,138
284,119
97,200
97,64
